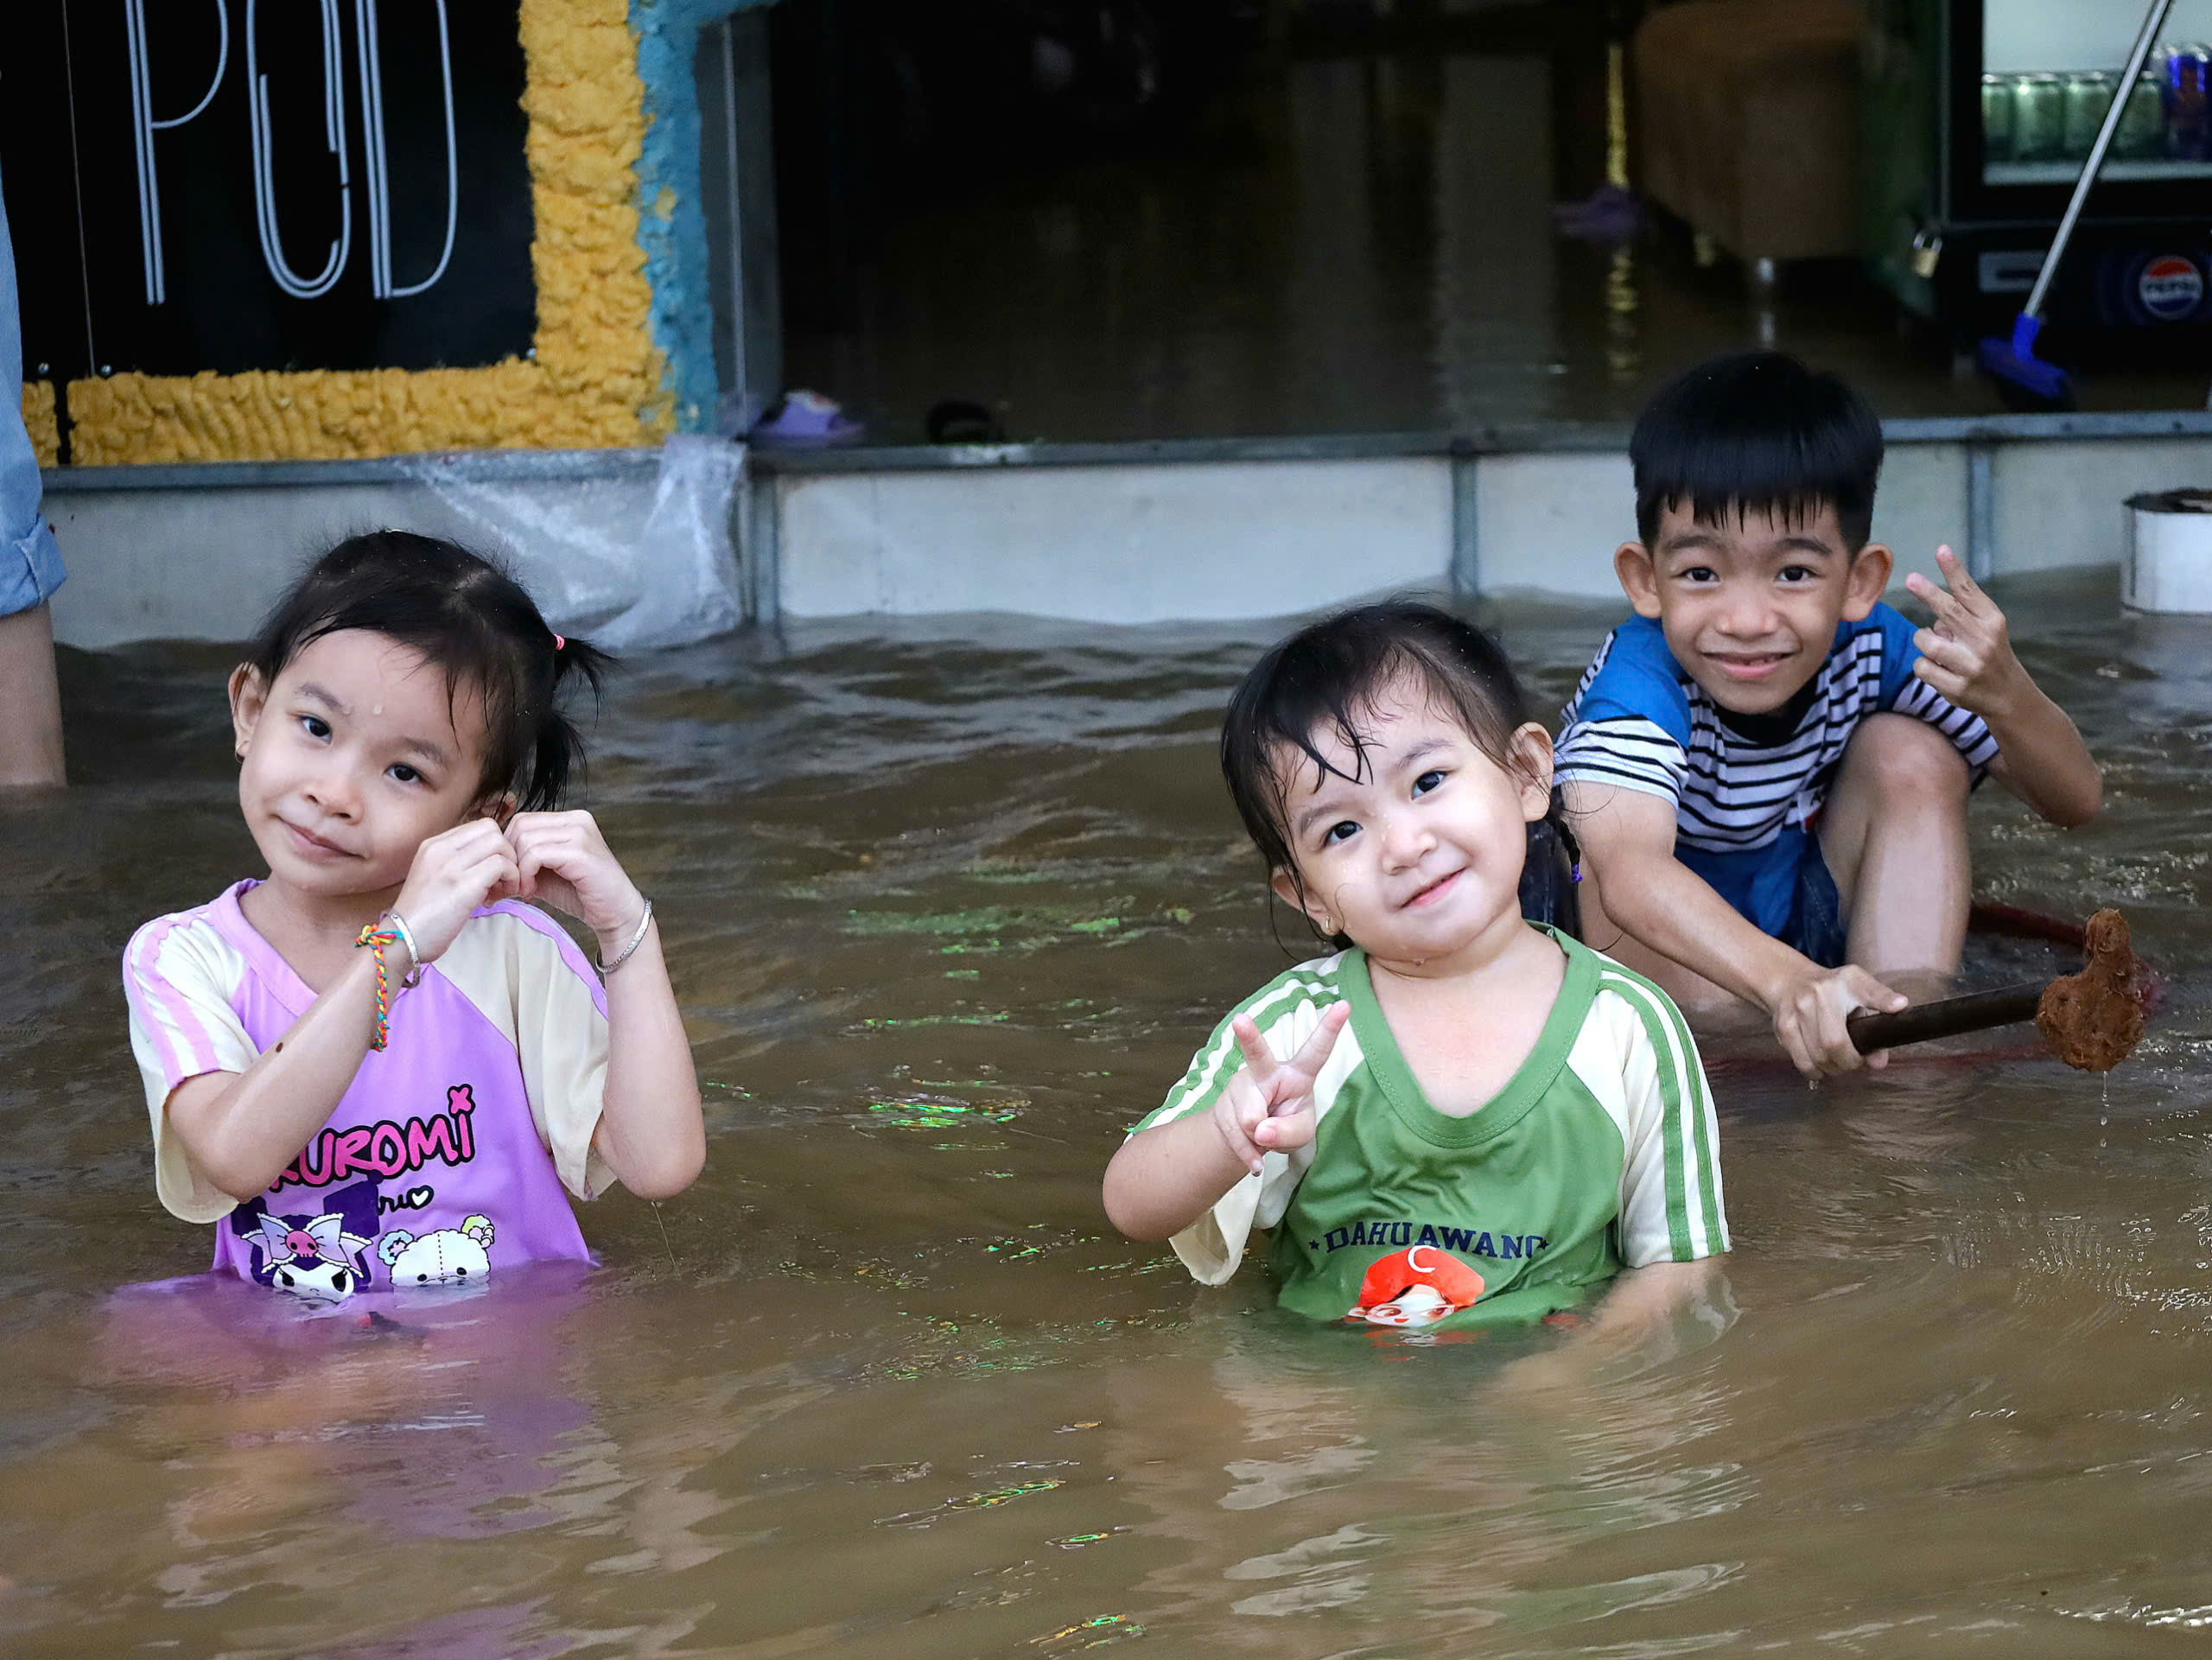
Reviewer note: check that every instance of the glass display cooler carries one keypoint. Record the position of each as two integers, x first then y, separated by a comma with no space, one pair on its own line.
1980,115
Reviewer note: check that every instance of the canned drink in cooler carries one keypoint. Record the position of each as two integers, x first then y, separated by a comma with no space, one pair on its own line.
2142,132
2039,118
2089,96
1997,118
2189,121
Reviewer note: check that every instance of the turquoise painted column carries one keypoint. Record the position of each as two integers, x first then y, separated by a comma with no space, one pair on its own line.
672,224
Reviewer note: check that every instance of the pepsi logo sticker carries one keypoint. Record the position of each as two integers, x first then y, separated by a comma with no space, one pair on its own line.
2170,287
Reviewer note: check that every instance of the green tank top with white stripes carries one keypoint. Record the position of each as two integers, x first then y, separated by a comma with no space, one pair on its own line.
1601,1153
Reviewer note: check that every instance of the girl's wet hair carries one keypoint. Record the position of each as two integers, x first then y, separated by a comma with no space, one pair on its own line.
1325,678
467,617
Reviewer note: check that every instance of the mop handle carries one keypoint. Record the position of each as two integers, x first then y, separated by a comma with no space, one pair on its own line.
1948,1017
2151,25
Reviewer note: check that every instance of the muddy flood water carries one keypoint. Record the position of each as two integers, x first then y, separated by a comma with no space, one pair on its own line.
949,907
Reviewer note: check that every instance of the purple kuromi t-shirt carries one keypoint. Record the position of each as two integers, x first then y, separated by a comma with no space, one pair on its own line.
456,1148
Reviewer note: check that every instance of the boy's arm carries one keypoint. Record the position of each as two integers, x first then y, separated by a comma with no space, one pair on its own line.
1967,656
1628,845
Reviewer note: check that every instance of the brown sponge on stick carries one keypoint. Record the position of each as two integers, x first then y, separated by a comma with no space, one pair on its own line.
2094,1020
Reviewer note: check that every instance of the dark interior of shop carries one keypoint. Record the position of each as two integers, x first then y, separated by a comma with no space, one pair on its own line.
1124,220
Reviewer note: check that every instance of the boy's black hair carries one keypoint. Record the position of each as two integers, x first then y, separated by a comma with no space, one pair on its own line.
467,617
1323,679
1757,432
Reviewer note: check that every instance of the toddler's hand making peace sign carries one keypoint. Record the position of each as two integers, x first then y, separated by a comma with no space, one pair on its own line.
1967,654
1268,1105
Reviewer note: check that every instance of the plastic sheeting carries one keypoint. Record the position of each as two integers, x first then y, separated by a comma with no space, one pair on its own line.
601,560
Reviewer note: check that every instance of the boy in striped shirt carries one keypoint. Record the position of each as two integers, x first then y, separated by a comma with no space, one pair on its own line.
1767,766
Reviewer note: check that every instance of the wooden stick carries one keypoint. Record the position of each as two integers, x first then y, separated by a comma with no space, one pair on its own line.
1947,1017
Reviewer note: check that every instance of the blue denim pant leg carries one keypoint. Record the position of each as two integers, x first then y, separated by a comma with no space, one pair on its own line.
30,563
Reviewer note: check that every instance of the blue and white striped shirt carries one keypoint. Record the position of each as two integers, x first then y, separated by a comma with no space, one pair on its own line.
1638,722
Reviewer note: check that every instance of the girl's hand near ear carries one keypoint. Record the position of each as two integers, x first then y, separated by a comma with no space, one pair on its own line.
561,860
453,872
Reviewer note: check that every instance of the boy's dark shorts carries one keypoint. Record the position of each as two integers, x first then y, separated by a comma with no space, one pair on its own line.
1784,889
1815,925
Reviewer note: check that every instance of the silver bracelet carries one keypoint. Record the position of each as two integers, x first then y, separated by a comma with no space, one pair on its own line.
415,964
608,966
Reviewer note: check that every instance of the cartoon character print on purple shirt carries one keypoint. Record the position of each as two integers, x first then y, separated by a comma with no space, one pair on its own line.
436,1144
323,1258
457,1256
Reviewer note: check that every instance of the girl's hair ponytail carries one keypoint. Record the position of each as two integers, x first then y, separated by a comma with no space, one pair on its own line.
1551,872
559,748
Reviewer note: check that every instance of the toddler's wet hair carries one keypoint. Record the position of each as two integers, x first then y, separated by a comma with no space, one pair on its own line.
467,617
1757,432
1324,679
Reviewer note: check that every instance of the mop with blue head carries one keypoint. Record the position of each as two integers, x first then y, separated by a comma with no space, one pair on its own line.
2024,380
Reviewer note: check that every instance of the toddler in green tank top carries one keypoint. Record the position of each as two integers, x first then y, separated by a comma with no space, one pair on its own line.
1457,1116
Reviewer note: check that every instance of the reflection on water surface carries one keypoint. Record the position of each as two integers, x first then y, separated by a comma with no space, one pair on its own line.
950,907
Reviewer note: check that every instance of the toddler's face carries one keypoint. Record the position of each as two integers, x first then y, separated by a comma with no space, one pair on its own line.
1749,608
352,758
1415,849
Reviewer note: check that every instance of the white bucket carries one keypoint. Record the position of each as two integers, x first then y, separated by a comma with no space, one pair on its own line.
2169,566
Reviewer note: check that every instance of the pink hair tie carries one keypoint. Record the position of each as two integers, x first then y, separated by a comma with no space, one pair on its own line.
560,643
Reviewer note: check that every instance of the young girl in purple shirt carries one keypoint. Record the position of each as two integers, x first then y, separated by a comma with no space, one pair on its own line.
377,1067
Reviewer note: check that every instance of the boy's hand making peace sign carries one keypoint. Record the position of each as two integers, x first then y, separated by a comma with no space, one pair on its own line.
1966,653
1268,1105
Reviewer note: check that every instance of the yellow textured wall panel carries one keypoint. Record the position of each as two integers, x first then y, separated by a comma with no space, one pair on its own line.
40,417
332,415
596,377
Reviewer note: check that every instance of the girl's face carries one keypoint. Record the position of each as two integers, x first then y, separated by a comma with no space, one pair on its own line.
354,758
1417,856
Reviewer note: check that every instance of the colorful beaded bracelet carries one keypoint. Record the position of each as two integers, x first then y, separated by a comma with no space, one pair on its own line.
388,930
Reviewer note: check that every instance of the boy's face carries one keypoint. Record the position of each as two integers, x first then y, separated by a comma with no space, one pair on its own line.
1749,607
